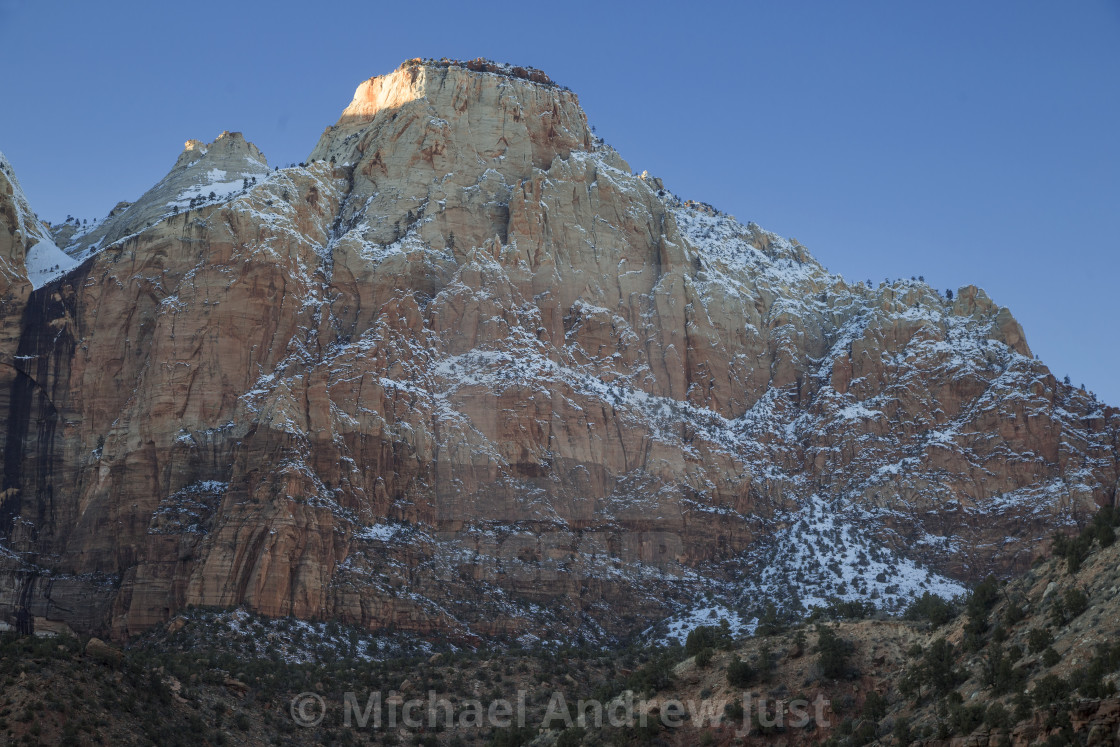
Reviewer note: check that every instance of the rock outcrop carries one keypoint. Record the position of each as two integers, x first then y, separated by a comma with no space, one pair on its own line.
204,173
465,373
18,232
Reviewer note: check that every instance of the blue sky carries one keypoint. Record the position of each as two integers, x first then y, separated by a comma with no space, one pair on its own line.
966,142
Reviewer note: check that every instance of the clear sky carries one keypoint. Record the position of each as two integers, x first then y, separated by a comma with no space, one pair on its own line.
967,142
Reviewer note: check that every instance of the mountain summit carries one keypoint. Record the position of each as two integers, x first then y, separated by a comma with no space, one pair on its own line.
203,173
463,372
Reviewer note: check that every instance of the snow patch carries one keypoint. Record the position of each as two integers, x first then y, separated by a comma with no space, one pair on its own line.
45,262
710,614
824,554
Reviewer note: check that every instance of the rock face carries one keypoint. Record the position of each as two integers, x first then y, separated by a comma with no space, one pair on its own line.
464,373
18,233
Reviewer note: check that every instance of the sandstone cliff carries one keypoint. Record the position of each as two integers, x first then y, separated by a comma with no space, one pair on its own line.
464,372
15,240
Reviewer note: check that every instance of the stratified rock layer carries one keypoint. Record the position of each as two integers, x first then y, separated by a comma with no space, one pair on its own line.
464,373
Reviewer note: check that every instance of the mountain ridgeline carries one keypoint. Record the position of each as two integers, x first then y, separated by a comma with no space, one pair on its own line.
464,373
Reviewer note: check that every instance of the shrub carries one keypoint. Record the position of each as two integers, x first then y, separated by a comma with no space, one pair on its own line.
997,717
1073,549
769,621
1024,708
965,719
1102,526
902,733
874,706
707,636
1015,614
983,597
1049,690
1050,657
1089,680
1000,672
838,609
739,673
935,670
931,607
833,653
1039,639
980,602
864,734
798,644
1075,601
656,674
765,662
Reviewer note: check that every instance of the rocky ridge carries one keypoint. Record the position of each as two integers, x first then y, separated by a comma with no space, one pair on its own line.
204,173
15,242
1034,662
465,372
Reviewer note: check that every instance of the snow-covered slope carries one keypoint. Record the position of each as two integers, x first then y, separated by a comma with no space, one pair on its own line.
45,262
205,174
822,555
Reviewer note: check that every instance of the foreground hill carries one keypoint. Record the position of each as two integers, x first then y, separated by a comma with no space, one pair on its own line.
1033,661
463,373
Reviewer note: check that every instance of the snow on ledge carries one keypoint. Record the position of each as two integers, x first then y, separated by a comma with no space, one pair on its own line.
46,262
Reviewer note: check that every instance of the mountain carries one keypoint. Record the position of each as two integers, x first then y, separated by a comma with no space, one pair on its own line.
463,373
204,174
